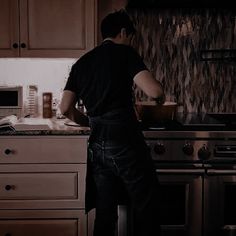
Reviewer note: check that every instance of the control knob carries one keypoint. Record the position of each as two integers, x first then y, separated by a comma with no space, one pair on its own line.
188,149
159,148
204,152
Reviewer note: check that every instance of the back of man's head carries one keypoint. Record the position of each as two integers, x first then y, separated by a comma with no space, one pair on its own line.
113,23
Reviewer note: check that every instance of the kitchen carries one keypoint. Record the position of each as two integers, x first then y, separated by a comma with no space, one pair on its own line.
168,40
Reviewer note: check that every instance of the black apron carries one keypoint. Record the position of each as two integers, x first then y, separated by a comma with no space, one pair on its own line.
119,125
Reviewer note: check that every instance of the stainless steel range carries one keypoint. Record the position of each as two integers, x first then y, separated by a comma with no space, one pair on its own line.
196,165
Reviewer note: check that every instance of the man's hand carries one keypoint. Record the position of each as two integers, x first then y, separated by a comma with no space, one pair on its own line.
68,109
160,100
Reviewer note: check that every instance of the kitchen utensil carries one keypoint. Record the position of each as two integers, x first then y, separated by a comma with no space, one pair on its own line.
32,101
71,123
47,105
151,112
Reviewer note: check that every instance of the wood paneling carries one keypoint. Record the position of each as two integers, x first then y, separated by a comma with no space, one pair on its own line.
9,28
47,28
42,185
57,27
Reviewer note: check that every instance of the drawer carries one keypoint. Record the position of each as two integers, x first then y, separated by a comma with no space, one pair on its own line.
43,149
69,224
42,186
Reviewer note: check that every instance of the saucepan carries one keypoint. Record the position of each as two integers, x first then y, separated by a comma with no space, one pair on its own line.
151,112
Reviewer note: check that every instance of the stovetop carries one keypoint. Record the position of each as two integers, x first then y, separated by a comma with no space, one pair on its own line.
198,122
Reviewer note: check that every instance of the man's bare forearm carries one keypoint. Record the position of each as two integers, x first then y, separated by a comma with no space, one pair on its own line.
77,116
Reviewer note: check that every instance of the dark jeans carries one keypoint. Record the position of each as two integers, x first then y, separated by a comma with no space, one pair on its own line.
127,163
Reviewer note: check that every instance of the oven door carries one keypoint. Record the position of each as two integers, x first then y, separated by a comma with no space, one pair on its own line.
181,201
220,202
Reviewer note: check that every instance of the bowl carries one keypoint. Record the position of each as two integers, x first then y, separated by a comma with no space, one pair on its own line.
151,112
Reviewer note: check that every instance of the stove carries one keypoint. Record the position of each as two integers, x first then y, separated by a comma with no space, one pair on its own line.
193,138
197,122
229,119
195,159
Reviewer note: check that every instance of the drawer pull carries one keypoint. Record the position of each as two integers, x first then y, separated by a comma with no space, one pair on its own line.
8,151
9,187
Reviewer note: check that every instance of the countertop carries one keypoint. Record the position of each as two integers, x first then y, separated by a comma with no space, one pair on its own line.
190,123
40,126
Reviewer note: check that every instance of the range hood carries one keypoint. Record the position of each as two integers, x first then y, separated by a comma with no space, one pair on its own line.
179,4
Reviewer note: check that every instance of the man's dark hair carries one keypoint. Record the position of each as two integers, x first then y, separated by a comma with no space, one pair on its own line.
113,23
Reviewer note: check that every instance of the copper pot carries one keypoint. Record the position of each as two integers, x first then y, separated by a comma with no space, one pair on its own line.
151,112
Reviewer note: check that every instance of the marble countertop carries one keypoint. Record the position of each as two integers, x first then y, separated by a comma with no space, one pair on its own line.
40,126
54,126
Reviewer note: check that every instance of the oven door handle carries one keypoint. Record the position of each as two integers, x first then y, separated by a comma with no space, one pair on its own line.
180,171
221,172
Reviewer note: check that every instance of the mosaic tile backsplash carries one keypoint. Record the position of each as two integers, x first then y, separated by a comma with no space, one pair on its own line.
170,42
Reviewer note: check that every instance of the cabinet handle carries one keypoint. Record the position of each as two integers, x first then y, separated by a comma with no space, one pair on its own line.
8,151
7,234
221,172
180,171
15,45
9,187
23,45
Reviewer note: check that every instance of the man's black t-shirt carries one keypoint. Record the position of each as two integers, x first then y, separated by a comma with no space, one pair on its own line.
103,78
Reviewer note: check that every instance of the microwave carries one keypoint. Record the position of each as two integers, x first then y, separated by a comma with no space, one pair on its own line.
11,101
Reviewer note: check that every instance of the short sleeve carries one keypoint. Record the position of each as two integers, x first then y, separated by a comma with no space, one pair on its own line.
135,63
71,83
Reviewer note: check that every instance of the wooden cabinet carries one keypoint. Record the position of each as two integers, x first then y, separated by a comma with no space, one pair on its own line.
46,28
43,222
42,185
39,149
9,28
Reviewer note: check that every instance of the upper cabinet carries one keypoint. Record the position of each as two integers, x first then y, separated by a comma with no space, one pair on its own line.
9,28
47,28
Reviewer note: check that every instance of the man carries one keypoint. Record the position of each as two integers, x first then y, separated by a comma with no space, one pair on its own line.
119,163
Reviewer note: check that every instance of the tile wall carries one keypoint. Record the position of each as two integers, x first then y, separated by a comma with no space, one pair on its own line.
170,41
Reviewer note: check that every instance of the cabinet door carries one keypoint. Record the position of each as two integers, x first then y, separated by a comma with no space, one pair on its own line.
56,28
42,186
42,149
46,223
9,28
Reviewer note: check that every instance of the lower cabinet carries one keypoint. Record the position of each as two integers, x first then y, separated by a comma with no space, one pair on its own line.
42,186
43,223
